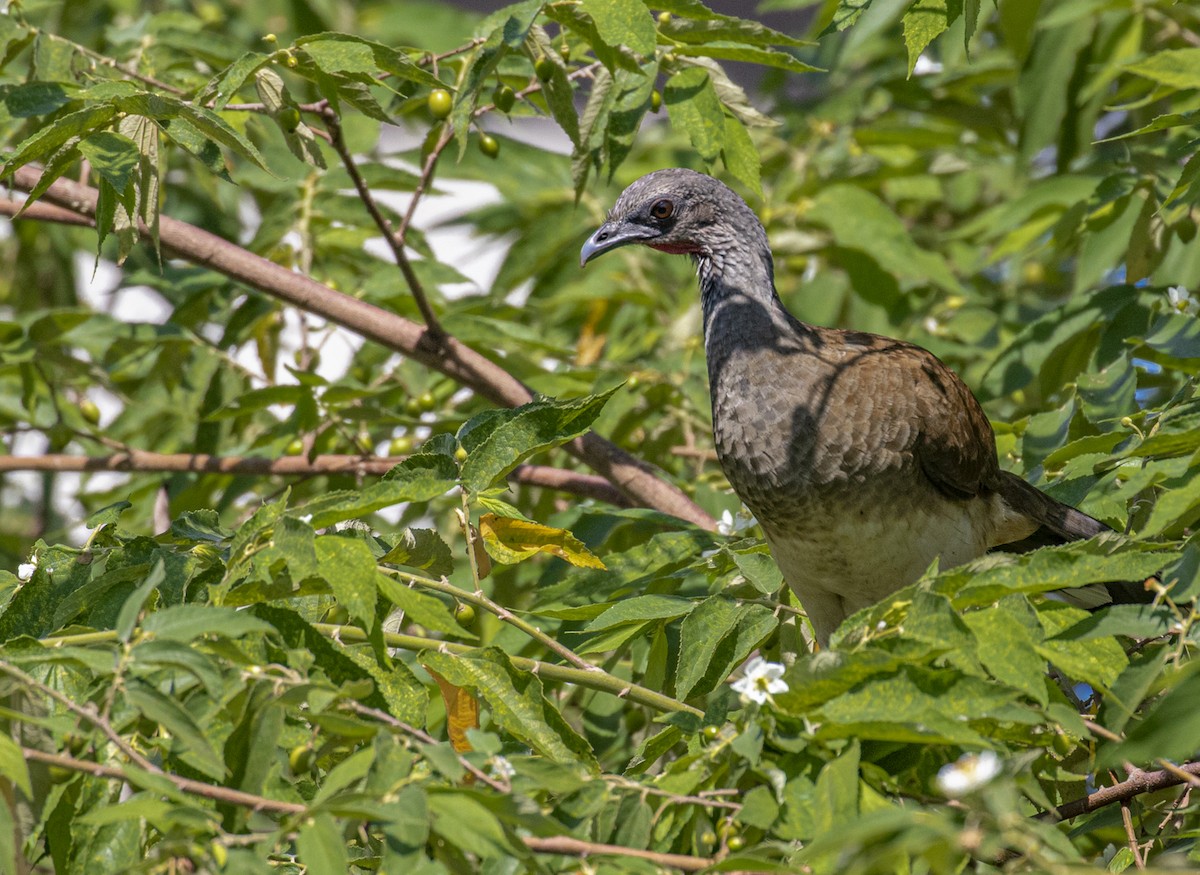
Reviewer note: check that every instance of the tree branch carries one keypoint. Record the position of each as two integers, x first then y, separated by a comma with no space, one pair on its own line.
631,475
1140,782
584,485
577,848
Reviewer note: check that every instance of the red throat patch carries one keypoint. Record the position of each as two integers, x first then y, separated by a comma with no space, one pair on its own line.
675,248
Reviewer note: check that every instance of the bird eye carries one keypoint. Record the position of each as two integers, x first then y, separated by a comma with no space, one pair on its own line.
662,209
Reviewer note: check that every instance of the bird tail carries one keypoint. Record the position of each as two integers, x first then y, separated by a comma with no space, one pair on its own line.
1059,523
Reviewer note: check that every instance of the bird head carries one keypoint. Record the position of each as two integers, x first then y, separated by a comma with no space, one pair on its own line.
675,210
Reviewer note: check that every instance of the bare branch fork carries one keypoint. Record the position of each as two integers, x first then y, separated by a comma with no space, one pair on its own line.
74,203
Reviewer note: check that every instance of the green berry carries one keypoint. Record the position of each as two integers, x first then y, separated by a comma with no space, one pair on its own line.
664,18
337,615
655,101
400,446
426,402
288,118
89,410
440,103
544,68
295,447
504,98
464,614
301,759
488,145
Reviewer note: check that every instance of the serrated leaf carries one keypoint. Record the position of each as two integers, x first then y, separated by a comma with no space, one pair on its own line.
924,22
233,77
347,53
421,608
114,157
348,566
420,477
320,846
13,765
197,749
1008,637
623,22
694,108
423,549
462,712
740,155
186,623
516,702
127,618
716,637
1176,68
526,430
52,136
640,609
511,540
730,51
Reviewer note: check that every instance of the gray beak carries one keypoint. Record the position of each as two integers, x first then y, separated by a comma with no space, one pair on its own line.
612,235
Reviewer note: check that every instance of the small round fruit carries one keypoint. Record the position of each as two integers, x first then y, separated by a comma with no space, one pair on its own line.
460,455
292,61
488,145
464,614
504,98
400,446
89,410
544,68
337,615
711,732
412,407
655,101
301,759
708,839
664,18
295,447
219,854
735,843
440,103
426,401
270,38
60,774
565,51
288,118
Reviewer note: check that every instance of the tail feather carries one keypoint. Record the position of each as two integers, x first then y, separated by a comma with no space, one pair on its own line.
1060,523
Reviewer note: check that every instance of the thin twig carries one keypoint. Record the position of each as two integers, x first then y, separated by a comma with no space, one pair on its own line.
1135,849
578,848
395,239
187,785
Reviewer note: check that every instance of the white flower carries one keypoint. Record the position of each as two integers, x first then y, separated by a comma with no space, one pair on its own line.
25,569
731,524
969,772
501,767
1182,301
761,680
925,66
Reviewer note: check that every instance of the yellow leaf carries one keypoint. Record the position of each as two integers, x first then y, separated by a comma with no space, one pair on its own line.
462,712
510,540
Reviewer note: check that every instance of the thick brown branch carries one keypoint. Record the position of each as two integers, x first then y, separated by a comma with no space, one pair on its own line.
1139,783
452,358
584,485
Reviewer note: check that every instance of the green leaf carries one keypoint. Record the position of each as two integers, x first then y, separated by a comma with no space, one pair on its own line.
127,619
511,540
1168,730
13,765
1176,68
731,51
186,623
623,22
715,638
693,107
1008,638
741,156
640,609
924,21
198,752
348,565
320,846
419,607
420,477
50,137
526,430
423,549
346,53
516,701
113,156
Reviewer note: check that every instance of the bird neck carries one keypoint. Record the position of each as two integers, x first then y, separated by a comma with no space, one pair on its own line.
737,288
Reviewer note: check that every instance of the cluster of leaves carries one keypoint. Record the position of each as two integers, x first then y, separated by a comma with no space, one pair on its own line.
329,675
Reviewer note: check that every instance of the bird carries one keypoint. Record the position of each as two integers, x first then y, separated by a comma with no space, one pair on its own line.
864,458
